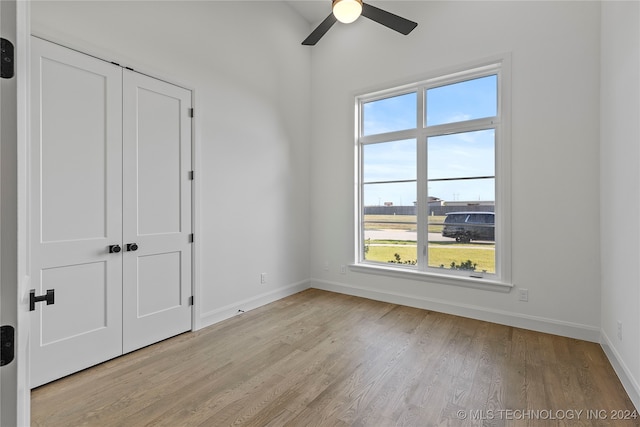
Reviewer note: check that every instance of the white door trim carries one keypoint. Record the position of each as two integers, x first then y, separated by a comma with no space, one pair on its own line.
16,401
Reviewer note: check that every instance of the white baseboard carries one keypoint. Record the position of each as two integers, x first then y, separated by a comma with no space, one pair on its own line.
211,317
629,383
518,320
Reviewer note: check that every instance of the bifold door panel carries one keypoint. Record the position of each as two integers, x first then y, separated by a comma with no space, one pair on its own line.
157,210
94,187
76,207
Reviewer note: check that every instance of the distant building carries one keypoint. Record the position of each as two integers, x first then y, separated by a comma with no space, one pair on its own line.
434,201
469,203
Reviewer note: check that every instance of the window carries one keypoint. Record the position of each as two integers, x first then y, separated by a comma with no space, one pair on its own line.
433,177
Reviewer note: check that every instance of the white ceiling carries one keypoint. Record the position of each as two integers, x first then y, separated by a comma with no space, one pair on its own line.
314,11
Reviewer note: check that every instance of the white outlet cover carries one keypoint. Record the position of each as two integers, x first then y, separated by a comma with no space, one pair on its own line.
524,295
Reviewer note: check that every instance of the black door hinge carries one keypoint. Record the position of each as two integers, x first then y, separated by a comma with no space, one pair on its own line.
7,346
191,113
191,175
191,238
6,59
191,300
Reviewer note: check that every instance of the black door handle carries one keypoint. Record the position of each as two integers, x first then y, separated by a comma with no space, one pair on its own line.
132,247
49,297
114,249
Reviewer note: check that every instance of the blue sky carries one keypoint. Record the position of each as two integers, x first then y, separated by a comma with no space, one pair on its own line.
462,155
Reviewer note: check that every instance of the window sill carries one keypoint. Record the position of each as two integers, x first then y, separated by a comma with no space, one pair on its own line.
442,279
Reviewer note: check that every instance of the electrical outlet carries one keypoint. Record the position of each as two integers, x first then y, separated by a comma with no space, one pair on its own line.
524,295
620,330
263,278
343,269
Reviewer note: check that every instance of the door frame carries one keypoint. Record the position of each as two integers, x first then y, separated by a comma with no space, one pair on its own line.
16,394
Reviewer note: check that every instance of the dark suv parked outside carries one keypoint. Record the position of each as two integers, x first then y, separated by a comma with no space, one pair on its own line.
467,226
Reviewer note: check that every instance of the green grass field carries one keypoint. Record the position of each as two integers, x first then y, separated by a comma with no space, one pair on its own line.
483,256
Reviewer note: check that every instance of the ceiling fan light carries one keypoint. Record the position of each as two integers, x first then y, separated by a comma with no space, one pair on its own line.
347,11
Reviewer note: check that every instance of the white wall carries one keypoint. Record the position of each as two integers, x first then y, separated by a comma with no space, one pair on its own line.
251,80
620,197
574,146
555,148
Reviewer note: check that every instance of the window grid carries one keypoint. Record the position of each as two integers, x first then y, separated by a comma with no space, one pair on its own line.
421,133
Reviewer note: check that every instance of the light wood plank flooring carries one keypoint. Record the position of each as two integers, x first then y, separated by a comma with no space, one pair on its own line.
325,359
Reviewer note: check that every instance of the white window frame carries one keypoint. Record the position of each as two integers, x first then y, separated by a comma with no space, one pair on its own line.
501,280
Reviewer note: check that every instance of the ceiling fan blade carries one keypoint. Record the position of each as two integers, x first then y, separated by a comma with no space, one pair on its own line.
320,31
388,19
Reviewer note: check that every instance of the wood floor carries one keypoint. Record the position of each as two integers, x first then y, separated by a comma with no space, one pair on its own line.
325,359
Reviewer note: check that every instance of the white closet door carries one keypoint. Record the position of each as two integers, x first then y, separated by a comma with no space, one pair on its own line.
76,208
156,210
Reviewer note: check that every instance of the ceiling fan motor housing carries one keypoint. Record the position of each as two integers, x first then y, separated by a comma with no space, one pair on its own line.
347,11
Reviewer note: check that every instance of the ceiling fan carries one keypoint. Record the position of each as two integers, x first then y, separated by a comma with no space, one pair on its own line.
347,11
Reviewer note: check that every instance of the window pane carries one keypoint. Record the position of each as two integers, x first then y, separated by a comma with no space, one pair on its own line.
390,227
471,99
389,161
390,194
462,155
462,192
476,257
390,114
390,242
462,241
461,225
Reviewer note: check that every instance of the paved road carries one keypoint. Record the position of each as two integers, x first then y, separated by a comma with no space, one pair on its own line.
404,235
407,235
